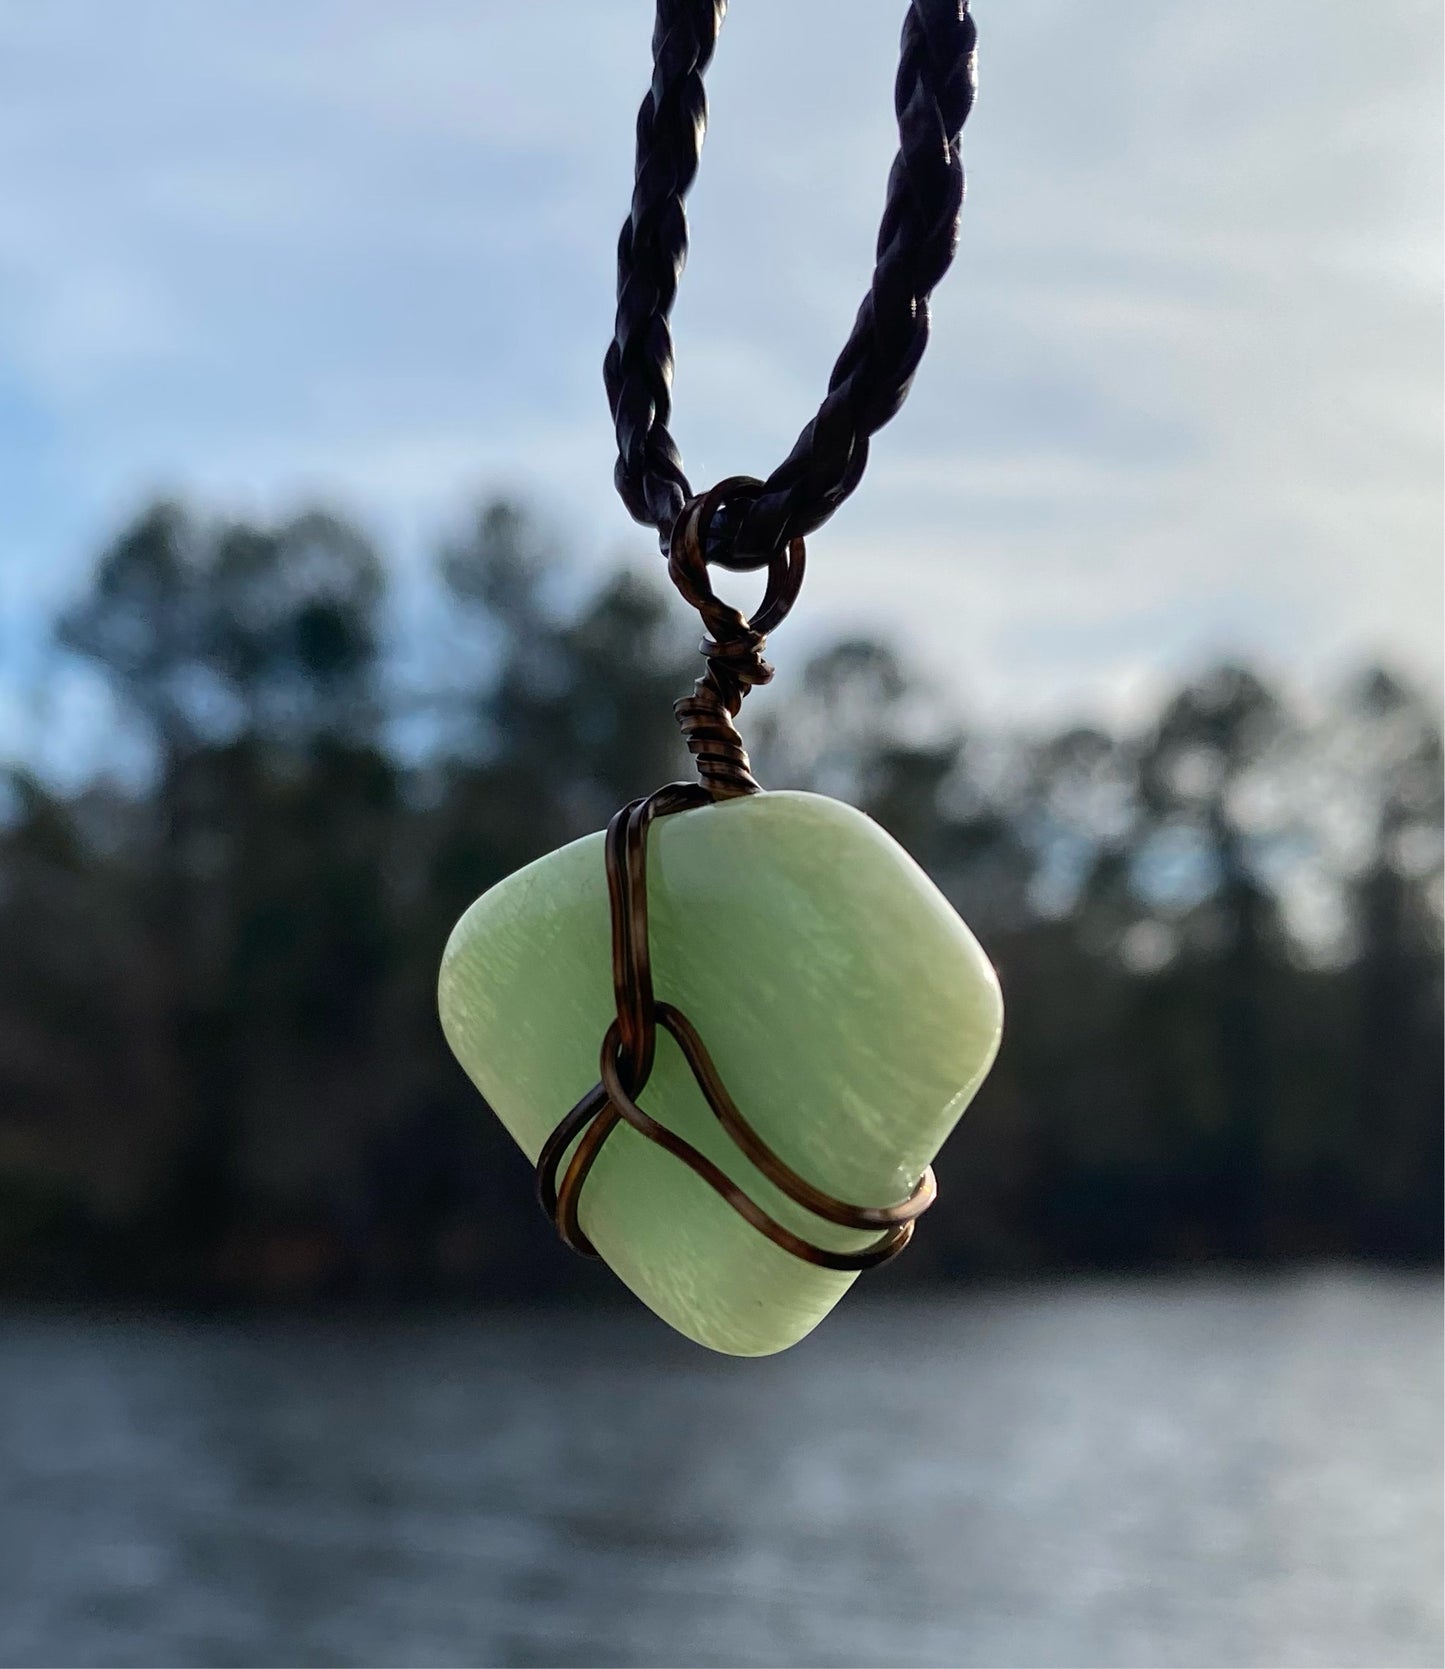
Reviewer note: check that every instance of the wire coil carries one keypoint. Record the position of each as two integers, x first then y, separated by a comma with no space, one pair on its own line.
733,650
626,1060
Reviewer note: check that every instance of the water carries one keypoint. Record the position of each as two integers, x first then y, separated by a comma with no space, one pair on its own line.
1153,1474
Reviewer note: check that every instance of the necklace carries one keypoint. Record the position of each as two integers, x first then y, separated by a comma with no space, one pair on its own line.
793,957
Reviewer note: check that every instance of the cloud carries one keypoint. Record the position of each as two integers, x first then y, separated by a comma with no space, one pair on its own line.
1184,387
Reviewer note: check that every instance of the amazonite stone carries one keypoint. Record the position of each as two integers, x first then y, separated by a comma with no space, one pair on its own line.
850,1012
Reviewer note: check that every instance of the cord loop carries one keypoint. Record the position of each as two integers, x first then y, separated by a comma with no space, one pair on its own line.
933,94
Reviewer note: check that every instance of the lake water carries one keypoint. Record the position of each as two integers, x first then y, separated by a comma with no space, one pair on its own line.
1148,1474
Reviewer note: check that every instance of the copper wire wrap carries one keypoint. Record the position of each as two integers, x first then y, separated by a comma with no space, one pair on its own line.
733,648
733,651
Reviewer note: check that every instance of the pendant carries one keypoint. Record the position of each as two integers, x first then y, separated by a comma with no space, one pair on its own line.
764,1018
847,1009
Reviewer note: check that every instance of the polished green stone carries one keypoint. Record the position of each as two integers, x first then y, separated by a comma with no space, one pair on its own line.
850,1012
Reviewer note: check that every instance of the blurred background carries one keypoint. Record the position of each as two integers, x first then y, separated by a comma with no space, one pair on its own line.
318,616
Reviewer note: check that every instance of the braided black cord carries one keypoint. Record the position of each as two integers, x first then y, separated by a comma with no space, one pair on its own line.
932,97
651,254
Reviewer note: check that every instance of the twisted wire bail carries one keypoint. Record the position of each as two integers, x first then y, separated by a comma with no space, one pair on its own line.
734,646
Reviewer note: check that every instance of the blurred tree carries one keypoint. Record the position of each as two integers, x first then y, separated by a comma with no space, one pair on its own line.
220,1066
1394,748
1196,773
248,660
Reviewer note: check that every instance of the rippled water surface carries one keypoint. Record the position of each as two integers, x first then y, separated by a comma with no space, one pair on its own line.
1152,1474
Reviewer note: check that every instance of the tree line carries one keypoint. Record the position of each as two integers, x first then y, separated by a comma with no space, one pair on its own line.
221,1074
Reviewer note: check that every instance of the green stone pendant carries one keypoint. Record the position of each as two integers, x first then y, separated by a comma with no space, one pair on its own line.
847,1009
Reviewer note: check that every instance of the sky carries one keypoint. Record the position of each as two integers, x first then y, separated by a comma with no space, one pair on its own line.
1183,397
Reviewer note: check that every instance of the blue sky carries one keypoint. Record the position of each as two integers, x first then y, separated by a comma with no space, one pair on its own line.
1183,396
